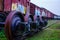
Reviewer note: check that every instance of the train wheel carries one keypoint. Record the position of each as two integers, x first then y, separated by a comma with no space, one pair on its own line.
29,26
13,27
37,22
16,27
45,22
29,23
41,25
2,17
2,20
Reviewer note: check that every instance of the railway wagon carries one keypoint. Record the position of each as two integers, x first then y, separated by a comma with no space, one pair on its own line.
39,15
58,17
46,13
49,15
14,16
55,17
18,20
52,16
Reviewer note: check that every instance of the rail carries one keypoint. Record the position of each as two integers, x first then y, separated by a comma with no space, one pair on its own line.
50,24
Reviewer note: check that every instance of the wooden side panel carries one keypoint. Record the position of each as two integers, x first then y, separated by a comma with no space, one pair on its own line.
52,15
1,5
7,5
14,1
32,9
49,14
45,12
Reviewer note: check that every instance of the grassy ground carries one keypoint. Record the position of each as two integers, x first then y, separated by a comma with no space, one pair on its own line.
51,33
47,35
2,35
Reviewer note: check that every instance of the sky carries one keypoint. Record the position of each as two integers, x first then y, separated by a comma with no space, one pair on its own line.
51,5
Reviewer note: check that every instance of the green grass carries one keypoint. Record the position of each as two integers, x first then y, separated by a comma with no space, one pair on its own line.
55,26
51,22
46,35
51,33
2,35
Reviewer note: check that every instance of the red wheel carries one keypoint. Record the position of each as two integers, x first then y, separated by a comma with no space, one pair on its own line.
13,27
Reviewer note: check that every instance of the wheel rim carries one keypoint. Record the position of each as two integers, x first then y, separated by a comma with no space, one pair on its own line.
15,22
16,27
13,26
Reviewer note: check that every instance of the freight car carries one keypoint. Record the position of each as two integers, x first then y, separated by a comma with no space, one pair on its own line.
46,13
56,17
38,15
20,18
50,15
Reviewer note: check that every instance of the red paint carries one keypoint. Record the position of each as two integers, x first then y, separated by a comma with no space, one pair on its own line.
32,8
26,3
7,5
14,1
1,5
49,14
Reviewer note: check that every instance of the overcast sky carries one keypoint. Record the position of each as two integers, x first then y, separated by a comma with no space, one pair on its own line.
51,5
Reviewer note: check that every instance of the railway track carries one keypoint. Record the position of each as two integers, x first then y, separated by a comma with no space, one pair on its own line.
49,24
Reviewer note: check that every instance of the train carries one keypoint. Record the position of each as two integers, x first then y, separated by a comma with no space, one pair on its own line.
21,17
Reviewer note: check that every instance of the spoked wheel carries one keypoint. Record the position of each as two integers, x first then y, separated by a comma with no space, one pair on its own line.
13,28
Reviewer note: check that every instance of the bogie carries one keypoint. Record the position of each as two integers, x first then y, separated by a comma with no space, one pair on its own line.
21,18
